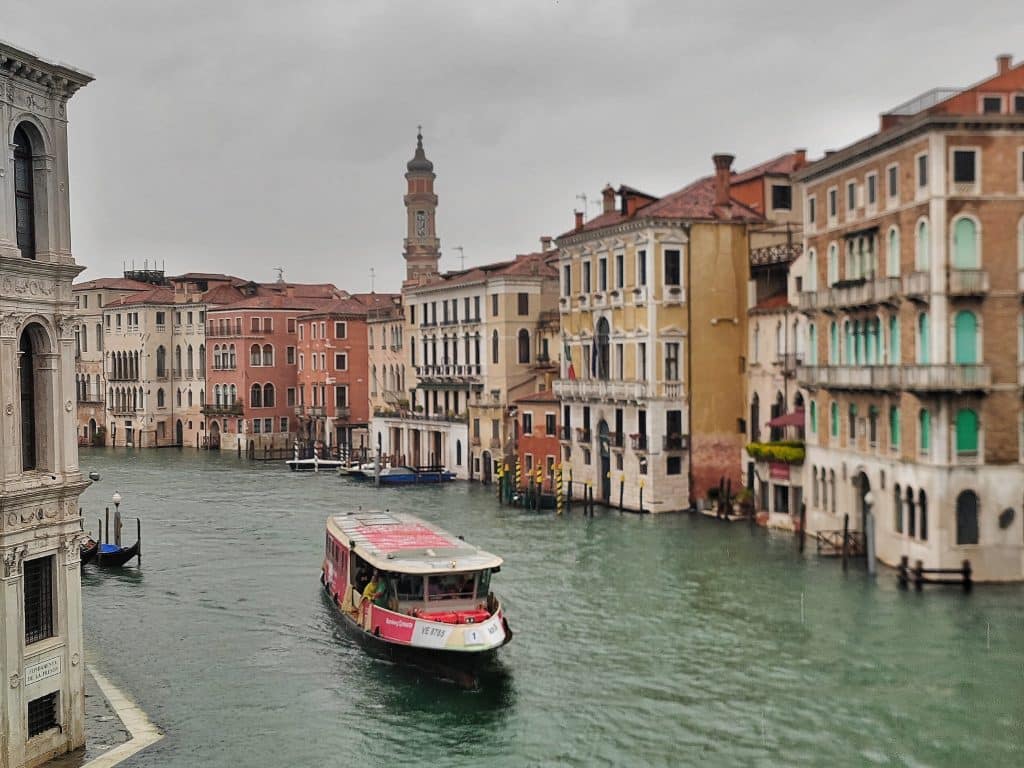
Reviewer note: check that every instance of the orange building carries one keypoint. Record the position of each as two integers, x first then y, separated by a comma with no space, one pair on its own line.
333,405
537,444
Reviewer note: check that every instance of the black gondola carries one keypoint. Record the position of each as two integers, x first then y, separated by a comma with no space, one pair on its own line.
113,556
88,550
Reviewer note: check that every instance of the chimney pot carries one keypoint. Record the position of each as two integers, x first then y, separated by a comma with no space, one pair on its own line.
579,219
723,180
608,198
545,243
1003,63
801,157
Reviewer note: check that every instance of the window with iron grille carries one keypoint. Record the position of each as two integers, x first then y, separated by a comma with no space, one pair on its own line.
963,166
38,599
42,714
992,105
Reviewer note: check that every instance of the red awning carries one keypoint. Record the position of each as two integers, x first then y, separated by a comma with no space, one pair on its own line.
793,419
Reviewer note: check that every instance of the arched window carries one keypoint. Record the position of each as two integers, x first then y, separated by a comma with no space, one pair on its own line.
834,419
268,395
177,361
755,418
892,256
255,396
494,347
234,395
893,357
833,264
202,360
373,380
965,244
812,344
755,347
190,368
202,396
814,417
923,348
99,337
523,345
922,260
780,342
911,518
231,356
458,453
966,432
24,194
924,429
254,355
29,397
216,357
190,396
218,396
161,362
833,344
967,518
922,516
965,338
177,397
897,509
160,398
811,275
268,355
602,363
832,488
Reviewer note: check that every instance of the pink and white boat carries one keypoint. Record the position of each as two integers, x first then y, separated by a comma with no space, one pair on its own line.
436,602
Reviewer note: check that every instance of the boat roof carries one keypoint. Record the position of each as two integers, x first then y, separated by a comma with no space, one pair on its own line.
395,541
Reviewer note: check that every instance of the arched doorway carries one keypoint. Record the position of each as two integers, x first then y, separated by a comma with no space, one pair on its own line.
967,518
179,434
92,430
863,486
214,435
485,468
604,442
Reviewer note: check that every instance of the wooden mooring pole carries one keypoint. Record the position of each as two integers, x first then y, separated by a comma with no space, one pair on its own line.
846,546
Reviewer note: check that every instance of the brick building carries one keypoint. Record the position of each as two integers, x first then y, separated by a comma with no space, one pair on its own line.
914,249
538,444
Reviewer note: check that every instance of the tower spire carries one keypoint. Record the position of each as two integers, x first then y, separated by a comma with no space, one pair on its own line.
422,247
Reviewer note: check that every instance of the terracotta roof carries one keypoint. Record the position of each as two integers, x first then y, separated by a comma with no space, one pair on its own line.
223,294
783,165
303,290
778,301
350,306
112,283
540,264
276,301
152,296
541,396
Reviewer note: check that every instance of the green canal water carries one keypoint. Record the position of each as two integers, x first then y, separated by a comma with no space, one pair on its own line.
671,640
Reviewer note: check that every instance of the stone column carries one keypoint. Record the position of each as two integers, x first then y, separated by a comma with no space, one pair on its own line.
12,637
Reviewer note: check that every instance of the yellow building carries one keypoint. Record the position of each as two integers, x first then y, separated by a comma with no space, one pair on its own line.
653,306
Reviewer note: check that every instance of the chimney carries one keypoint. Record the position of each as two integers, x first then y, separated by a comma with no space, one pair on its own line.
545,243
608,197
801,158
579,219
723,179
1003,63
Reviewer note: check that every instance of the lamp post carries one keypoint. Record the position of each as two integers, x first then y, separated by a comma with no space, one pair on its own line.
869,532
116,498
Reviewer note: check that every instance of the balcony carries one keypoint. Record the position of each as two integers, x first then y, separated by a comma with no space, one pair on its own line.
584,301
495,443
564,304
616,297
849,376
600,299
851,294
640,295
213,409
343,412
616,439
674,294
583,434
946,378
672,390
788,362
315,411
228,332
300,410
565,433
474,440
675,442
917,285
638,442
600,389
121,410
968,282
449,373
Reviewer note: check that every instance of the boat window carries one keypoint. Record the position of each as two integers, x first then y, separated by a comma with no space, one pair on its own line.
451,586
483,583
360,573
410,586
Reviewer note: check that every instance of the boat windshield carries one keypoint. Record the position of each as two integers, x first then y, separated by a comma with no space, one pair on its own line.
451,586
410,587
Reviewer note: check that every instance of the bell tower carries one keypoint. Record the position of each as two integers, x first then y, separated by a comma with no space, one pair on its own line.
422,246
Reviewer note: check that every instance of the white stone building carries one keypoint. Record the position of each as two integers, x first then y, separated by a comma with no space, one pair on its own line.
41,661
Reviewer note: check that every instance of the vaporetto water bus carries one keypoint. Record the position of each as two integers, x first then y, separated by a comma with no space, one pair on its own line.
434,601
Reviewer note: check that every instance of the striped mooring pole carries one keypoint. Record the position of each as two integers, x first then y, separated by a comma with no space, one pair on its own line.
559,490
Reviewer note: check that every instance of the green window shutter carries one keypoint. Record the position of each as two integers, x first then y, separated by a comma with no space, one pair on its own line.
965,338
814,417
965,244
894,426
966,431
835,419
925,420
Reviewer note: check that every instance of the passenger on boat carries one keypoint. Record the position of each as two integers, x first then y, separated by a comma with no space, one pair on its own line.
371,589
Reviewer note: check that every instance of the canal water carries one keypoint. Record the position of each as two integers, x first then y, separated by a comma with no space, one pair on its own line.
670,640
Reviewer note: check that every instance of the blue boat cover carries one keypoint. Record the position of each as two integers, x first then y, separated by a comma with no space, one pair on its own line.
109,548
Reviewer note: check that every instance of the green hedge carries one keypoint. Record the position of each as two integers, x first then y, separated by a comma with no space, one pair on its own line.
786,451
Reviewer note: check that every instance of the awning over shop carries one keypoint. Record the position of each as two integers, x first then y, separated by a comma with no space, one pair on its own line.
792,419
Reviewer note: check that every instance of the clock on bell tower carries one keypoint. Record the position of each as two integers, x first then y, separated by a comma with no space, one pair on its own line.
422,247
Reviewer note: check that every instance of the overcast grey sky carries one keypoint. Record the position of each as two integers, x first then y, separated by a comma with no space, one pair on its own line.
236,136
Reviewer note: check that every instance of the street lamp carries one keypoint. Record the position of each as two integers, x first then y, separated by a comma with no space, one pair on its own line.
869,532
116,498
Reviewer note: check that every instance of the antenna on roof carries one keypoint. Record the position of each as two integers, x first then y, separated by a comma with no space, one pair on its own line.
280,274
583,196
462,256
373,276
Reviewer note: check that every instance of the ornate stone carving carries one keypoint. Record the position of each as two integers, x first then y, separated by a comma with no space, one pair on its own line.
32,286
69,406
75,658
10,322
67,325
13,559
15,680
12,519
9,410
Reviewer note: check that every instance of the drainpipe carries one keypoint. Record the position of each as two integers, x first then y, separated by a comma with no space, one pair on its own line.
689,364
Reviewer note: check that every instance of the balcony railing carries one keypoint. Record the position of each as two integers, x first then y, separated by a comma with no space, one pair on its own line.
788,362
583,434
448,371
675,442
957,378
640,294
599,389
674,294
212,409
853,293
638,442
968,282
565,433
213,331
474,440
672,390
342,412
617,439
918,285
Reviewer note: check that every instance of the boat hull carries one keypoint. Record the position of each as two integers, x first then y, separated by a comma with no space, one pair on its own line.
116,556
313,465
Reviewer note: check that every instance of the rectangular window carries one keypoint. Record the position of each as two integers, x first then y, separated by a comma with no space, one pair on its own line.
341,397
812,210
268,426
284,423
992,105
872,188
832,203
38,599
641,361
586,277
620,276
893,180
254,323
465,308
476,307
291,325
42,714
290,355
674,465
291,396
566,280
1018,104
620,361
412,314
341,330
782,197
672,361
302,331
527,423
523,304
494,305
851,195
161,318
964,171
672,267
340,361
549,424
602,274
257,425
641,267
922,171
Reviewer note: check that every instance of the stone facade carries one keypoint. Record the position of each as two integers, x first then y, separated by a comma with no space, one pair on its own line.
42,657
